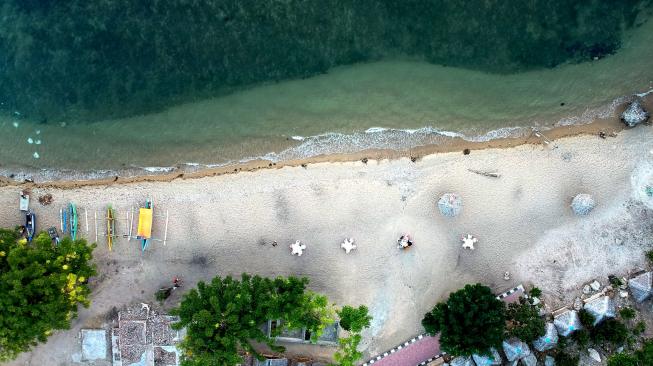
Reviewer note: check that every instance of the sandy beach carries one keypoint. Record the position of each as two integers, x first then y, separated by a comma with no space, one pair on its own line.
226,224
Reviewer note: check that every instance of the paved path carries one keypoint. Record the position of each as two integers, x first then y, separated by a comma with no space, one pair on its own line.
424,348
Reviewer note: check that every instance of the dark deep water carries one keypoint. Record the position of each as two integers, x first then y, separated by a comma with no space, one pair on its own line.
95,59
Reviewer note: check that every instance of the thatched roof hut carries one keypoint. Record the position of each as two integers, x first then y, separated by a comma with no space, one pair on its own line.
549,340
601,308
567,323
515,349
582,204
641,286
450,204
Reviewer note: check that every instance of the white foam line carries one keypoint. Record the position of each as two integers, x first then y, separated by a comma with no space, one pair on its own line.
158,169
642,95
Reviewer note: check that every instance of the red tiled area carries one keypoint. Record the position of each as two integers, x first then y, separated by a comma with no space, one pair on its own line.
426,348
413,354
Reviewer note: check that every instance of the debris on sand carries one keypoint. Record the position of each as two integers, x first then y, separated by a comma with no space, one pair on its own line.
46,199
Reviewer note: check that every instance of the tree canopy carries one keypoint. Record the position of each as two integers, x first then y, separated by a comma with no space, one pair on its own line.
41,286
470,322
225,315
353,320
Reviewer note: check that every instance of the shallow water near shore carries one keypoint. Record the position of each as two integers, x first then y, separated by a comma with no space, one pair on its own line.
391,104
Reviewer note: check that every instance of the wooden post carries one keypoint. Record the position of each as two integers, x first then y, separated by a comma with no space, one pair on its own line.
131,224
165,233
95,213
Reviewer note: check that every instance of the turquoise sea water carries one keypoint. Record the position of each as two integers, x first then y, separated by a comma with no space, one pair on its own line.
394,101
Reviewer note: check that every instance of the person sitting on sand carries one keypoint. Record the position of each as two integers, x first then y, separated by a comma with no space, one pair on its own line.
404,242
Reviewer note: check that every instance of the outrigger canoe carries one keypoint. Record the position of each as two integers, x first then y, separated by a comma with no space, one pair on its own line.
30,225
111,226
73,220
145,224
63,213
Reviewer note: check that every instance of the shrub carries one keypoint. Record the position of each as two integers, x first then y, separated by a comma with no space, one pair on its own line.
623,359
524,321
615,281
535,292
163,294
564,359
582,337
586,319
472,310
627,313
639,328
611,331
649,256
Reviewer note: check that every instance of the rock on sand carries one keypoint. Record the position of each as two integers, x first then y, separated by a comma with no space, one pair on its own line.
634,114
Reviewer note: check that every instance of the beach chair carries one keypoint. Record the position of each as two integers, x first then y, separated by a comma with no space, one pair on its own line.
24,201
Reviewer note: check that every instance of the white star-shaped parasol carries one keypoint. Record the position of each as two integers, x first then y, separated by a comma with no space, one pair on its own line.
297,248
348,245
469,241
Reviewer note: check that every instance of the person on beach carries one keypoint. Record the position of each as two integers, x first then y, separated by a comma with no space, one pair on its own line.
404,242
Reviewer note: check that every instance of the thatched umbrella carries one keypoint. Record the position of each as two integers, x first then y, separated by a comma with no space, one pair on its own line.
450,204
582,204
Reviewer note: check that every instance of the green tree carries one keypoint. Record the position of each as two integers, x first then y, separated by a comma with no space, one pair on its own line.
524,321
224,316
347,353
40,286
354,319
472,310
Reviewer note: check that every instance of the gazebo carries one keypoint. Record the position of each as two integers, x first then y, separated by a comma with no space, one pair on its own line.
515,349
567,323
450,204
640,286
549,340
582,204
601,308
494,358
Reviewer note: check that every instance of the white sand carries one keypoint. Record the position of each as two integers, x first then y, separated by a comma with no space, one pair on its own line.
522,219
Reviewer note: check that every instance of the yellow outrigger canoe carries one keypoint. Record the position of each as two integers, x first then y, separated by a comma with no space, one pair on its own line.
111,226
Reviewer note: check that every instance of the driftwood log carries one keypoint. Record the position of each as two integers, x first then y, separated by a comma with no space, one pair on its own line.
485,174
